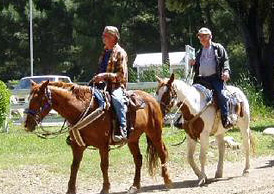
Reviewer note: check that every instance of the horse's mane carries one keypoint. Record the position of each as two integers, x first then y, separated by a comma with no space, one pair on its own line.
80,92
184,89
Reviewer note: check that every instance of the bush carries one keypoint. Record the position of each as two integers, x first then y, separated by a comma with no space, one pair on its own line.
4,102
255,97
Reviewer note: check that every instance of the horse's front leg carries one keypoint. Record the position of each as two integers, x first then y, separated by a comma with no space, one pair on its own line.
77,157
136,153
191,146
204,138
104,154
221,148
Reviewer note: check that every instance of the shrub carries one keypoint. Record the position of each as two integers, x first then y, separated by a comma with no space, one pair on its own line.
255,97
4,102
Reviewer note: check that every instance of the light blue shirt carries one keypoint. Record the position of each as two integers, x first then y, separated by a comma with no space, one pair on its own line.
207,62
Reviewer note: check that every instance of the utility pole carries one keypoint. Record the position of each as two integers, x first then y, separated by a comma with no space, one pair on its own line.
189,31
31,38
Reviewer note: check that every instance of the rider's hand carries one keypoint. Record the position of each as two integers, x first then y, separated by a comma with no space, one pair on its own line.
225,76
192,62
98,78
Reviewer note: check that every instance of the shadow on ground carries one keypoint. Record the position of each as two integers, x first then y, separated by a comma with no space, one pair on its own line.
177,185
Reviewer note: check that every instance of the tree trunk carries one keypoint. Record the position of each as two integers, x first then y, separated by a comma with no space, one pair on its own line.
163,31
259,49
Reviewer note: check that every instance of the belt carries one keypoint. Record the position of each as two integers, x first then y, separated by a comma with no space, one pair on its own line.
210,76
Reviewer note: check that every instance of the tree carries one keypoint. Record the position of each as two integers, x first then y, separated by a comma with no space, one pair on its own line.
256,19
163,31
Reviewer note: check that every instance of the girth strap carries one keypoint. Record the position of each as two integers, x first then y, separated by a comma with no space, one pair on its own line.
83,123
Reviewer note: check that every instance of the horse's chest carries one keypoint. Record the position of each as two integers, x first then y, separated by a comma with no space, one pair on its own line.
193,126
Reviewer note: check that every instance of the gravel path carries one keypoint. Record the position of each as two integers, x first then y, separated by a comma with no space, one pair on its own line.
38,180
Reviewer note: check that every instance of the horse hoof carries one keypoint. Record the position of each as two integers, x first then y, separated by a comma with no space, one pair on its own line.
132,190
246,172
169,184
202,182
104,192
68,192
218,175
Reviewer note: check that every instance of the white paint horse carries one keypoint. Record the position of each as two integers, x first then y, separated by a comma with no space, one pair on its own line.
207,122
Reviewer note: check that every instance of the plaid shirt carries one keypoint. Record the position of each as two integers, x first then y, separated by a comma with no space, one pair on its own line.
117,72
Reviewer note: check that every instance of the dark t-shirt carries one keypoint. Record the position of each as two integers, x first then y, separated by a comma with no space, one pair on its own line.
104,63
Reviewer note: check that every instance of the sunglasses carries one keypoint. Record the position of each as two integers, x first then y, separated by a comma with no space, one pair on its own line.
203,35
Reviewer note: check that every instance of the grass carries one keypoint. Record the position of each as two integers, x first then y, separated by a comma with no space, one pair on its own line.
19,148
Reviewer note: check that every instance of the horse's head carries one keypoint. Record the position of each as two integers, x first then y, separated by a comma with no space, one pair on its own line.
166,94
40,103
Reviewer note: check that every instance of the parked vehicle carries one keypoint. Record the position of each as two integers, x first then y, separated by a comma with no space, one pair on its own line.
21,91
19,99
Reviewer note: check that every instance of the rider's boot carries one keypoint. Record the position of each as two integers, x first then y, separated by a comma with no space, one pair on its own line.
122,136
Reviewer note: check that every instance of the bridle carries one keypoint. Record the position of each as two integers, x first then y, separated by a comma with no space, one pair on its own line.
172,99
36,114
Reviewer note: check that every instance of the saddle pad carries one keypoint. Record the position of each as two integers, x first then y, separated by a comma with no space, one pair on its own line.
206,92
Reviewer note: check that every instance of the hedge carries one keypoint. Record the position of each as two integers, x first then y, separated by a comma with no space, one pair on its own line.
4,102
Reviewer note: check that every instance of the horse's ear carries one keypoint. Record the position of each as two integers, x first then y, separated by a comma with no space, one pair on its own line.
44,85
171,79
72,88
33,83
158,79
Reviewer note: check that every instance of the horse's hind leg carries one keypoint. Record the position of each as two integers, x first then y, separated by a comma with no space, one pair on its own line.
135,151
246,134
104,154
221,148
77,157
163,154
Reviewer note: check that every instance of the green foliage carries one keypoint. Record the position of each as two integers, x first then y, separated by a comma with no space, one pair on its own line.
4,102
255,98
149,74
132,74
237,59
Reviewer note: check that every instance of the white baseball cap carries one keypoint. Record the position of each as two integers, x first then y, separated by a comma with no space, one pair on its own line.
204,30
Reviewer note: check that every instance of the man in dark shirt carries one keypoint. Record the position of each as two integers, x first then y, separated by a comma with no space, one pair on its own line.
212,67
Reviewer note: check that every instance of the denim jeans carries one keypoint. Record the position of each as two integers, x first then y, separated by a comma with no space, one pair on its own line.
119,103
219,88
99,97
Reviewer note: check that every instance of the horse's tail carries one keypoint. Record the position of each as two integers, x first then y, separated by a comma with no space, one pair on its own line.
152,157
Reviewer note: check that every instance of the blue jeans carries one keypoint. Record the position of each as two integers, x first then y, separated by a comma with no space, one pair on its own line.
119,103
99,98
219,88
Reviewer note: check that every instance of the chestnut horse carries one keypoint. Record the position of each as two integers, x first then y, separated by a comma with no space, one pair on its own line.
71,100
204,122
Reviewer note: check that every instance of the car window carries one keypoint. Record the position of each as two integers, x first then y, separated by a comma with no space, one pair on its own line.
25,83
63,79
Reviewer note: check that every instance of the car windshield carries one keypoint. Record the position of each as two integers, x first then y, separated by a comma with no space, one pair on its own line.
25,83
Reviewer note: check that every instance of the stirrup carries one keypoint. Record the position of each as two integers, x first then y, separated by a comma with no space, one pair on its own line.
119,138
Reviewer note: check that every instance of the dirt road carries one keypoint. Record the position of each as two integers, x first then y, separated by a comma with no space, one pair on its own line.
38,180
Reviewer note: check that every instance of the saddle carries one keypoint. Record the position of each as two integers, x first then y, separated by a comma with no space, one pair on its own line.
133,101
234,101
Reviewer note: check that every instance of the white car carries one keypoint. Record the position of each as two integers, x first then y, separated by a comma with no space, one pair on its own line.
21,91
20,96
